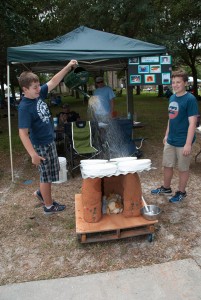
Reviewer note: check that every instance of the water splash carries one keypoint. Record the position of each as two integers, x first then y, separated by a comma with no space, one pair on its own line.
110,137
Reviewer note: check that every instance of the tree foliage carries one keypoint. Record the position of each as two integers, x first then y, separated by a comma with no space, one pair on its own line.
175,24
180,27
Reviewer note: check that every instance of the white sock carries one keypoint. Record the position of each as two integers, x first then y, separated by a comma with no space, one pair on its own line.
48,207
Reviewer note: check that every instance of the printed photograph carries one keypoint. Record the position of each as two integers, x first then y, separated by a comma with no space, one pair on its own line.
135,79
150,78
155,68
133,61
143,69
165,60
166,79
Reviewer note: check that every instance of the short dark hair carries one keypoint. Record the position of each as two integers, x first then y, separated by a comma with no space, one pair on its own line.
180,73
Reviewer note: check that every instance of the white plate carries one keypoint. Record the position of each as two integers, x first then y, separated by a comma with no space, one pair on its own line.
135,162
99,170
98,167
93,161
133,169
120,159
134,166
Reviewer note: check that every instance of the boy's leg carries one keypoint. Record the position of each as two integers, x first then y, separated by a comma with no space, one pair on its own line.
167,176
183,166
45,189
169,160
49,171
183,179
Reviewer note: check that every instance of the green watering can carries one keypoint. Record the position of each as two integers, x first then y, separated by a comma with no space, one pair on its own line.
76,78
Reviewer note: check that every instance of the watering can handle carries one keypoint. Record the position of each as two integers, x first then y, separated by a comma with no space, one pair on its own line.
74,67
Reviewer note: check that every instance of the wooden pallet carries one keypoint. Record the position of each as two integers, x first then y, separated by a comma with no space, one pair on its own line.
110,227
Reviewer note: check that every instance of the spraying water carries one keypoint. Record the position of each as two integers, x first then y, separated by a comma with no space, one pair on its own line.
110,137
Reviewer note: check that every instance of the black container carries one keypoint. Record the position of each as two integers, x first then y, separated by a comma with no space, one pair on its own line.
75,78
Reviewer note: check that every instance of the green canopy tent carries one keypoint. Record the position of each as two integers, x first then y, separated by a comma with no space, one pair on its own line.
95,50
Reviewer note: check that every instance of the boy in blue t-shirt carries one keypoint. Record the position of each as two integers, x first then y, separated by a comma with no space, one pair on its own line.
179,136
34,118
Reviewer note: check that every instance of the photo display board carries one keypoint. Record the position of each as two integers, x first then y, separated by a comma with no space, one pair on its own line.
148,70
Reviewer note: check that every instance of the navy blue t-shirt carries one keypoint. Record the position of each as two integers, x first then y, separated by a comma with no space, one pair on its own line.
35,115
180,109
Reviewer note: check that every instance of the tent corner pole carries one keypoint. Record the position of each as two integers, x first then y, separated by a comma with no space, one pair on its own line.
129,96
9,122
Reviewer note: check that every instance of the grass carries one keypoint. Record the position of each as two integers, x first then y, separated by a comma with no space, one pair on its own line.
150,109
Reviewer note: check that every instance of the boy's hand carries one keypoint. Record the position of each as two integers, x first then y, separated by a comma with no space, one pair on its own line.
73,63
164,140
187,150
36,159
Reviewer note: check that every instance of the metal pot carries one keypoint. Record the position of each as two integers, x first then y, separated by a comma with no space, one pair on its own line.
150,213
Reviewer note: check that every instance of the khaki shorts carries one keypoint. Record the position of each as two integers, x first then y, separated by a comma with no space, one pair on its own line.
173,156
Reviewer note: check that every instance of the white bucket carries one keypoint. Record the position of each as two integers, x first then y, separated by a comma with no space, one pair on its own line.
63,171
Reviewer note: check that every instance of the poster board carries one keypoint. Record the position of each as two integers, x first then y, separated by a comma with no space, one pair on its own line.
148,70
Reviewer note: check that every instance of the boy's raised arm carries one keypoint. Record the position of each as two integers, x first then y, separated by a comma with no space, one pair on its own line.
56,79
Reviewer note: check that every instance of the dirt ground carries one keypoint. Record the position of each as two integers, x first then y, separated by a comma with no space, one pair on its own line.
35,246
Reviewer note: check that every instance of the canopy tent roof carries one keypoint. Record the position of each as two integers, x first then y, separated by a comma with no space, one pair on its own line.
94,48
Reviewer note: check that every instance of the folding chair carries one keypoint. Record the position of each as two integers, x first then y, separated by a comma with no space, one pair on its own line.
79,143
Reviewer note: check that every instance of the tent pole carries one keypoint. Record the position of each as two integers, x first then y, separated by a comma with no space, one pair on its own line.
9,122
129,96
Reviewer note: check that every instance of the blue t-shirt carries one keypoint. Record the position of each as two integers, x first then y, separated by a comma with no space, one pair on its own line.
180,109
35,115
105,95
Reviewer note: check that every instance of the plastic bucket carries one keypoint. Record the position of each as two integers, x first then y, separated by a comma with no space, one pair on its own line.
63,171
55,121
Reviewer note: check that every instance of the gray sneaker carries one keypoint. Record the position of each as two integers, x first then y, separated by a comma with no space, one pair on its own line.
54,209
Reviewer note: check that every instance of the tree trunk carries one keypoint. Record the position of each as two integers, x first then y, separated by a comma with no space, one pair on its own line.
85,97
138,90
160,91
77,94
195,82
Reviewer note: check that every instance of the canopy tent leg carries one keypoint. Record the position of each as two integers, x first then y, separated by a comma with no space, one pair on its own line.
9,122
129,89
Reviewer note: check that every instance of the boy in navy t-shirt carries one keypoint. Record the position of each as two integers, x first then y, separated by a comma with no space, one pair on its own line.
179,136
36,132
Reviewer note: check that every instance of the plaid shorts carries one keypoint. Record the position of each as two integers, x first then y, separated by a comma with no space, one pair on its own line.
48,168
